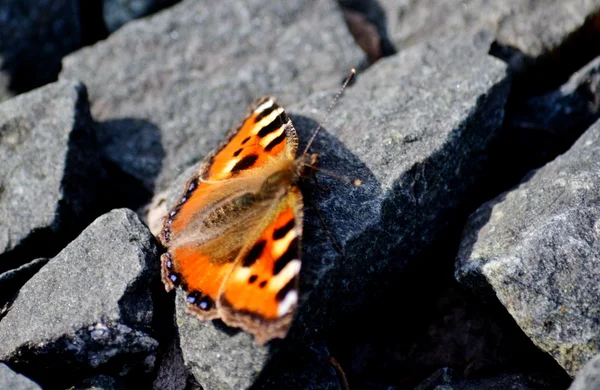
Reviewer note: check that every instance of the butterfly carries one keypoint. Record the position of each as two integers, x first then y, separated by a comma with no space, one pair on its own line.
233,240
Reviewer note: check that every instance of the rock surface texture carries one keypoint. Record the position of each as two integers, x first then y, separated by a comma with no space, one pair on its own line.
97,307
453,104
589,376
49,171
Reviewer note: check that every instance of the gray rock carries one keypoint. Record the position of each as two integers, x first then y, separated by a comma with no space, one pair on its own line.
118,12
13,381
12,280
589,376
217,356
220,357
431,113
90,308
414,21
49,171
190,72
546,41
35,36
541,27
535,249
533,28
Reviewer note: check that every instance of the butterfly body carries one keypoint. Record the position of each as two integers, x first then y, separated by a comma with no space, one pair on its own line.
233,239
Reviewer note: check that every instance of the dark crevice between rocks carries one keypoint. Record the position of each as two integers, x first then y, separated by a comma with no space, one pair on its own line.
121,190
537,130
441,325
93,28
534,76
162,329
367,23
132,154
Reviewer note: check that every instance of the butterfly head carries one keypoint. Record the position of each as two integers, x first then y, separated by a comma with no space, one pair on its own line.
306,165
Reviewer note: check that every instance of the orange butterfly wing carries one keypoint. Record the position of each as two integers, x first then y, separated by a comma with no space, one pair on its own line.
222,209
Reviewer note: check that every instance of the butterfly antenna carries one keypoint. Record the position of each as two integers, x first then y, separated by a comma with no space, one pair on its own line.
345,179
335,99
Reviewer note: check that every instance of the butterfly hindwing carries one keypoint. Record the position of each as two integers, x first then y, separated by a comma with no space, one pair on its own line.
261,292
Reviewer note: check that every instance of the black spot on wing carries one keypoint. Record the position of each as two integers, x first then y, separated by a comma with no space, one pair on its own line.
282,231
289,286
254,253
237,152
266,112
246,140
252,279
274,125
290,254
245,163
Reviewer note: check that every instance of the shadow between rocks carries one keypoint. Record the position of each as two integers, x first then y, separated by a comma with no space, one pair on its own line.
358,14
538,75
132,154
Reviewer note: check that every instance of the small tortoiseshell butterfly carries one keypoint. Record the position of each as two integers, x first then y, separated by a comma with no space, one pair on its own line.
233,238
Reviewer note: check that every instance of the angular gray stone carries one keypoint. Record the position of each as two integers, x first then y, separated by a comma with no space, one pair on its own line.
118,12
589,376
543,26
534,28
35,36
90,308
49,171
414,21
546,41
218,357
13,381
535,248
190,71
413,128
